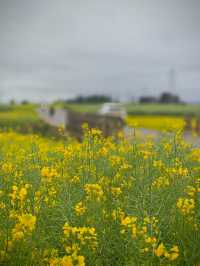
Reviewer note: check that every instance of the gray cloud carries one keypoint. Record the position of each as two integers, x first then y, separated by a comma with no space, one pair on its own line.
57,49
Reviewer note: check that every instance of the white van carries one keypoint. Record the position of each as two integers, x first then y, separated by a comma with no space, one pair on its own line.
113,109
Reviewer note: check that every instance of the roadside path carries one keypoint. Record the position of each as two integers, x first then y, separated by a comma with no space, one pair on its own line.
57,119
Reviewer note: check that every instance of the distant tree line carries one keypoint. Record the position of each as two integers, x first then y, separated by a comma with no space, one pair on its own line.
91,99
165,97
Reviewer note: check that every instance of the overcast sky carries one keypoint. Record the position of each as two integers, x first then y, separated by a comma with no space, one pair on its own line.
52,49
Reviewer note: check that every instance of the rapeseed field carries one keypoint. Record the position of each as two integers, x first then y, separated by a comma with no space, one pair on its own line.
102,202
156,122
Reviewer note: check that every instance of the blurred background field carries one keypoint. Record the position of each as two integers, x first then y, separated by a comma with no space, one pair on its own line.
163,109
18,115
139,109
24,117
147,116
157,122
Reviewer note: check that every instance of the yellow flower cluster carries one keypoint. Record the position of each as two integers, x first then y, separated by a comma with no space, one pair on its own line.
93,191
80,209
129,222
195,155
186,205
75,260
191,190
7,167
172,254
85,235
160,182
49,173
24,226
116,191
19,193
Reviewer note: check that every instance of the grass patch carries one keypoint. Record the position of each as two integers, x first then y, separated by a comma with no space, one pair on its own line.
163,109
